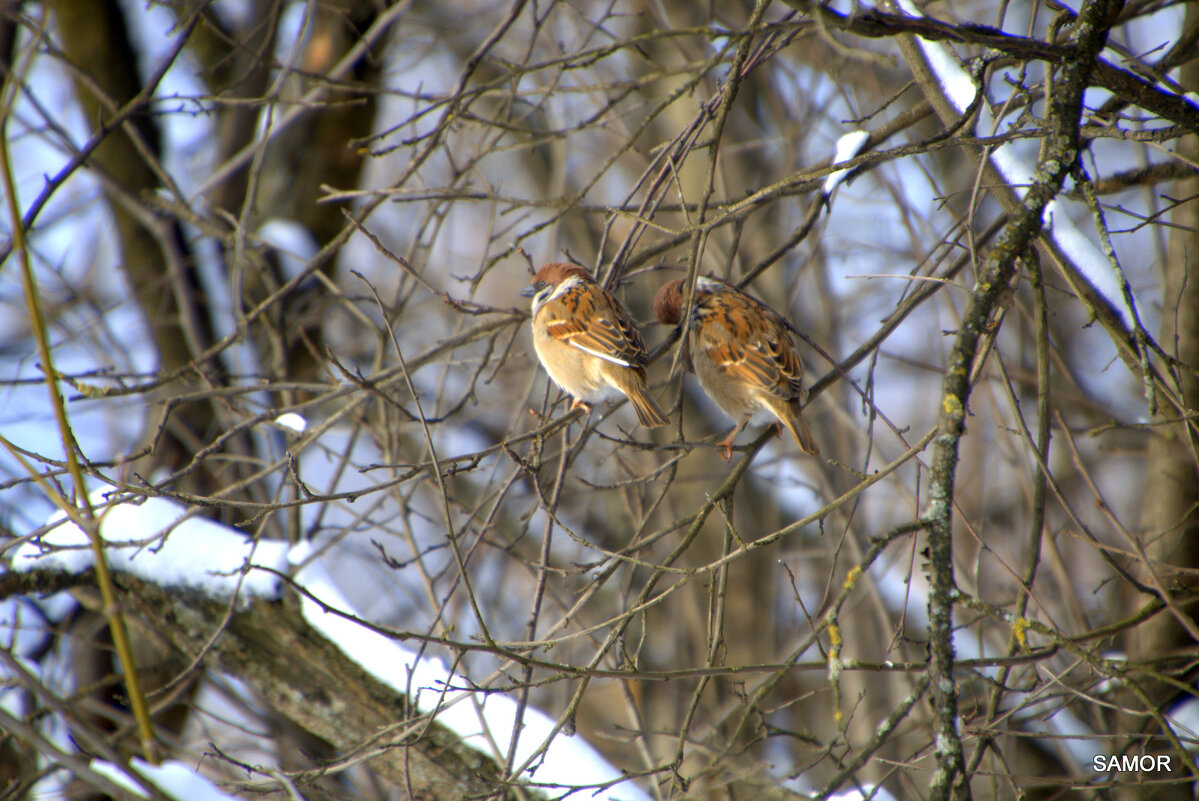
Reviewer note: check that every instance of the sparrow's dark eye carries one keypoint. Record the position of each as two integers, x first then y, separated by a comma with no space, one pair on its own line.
533,290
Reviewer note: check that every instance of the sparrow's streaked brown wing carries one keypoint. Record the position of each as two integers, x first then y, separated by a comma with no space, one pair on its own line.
749,343
786,357
588,318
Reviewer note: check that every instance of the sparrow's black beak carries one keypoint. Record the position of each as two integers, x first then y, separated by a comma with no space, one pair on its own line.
530,290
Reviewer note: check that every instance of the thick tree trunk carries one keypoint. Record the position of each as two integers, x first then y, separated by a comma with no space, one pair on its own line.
155,260
1170,516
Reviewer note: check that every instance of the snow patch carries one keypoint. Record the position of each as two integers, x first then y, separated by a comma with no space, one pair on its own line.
293,422
158,541
848,146
479,719
173,778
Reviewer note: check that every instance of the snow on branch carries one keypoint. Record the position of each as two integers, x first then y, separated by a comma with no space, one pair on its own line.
1097,269
174,779
848,146
162,542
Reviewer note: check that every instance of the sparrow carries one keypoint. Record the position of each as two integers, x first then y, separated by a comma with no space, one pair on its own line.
743,355
587,342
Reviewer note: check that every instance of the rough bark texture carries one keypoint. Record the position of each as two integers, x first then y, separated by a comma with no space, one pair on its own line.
305,679
1059,155
1170,516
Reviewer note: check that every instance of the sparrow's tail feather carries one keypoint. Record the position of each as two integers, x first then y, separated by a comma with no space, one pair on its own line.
648,412
803,436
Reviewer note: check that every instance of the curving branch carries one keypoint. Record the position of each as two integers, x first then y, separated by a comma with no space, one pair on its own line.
1059,155
268,645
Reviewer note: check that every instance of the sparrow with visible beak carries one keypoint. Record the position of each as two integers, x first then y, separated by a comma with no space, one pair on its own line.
743,356
587,342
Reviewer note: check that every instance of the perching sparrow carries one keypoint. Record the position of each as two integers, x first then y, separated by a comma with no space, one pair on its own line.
587,342
743,356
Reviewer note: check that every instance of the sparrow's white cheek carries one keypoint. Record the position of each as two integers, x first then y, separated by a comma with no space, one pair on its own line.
562,288
540,298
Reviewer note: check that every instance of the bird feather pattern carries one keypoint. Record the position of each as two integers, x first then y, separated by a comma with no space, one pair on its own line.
743,355
760,355
587,342
590,322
